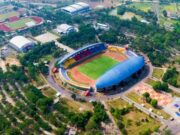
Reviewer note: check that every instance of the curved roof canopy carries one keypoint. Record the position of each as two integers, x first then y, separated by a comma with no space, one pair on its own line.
77,51
20,41
120,72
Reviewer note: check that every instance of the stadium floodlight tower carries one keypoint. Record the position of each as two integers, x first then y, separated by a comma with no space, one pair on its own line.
155,8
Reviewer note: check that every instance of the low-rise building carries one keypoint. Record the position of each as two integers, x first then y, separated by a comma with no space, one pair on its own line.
101,26
77,8
65,29
21,44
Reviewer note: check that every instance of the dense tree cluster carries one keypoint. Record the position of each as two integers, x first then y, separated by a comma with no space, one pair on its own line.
171,76
86,35
118,113
32,59
109,37
148,99
160,86
150,16
14,73
86,121
151,39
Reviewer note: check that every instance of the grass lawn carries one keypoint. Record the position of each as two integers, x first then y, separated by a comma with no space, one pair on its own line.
178,80
177,59
135,116
118,103
46,58
171,7
167,21
131,119
135,97
158,73
129,16
39,80
78,106
8,15
150,81
175,94
97,67
126,16
141,6
19,24
49,92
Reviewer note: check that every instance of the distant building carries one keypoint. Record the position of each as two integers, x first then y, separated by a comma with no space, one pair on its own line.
145,21
173,15
77,8
101,26
21,43
65,29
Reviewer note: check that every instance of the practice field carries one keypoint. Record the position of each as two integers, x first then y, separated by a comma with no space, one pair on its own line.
97,67
8,15
46,37
19,24
141,6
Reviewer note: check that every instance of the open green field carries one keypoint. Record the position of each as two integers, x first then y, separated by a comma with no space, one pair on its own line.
132,121
19,24
171,7
158,73
126,16
118,103
97,67
150,81
178,79
135,124
141,6
137,98
7,15
49,92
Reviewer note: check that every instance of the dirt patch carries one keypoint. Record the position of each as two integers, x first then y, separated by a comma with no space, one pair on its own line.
10,60
46,37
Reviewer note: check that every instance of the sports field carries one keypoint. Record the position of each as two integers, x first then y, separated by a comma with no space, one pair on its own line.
97,67
8,15
19,24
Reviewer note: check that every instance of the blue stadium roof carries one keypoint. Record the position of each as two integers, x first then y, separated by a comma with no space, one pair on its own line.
120,72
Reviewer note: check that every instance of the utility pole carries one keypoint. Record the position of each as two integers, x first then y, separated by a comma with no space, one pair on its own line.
177,8
155,8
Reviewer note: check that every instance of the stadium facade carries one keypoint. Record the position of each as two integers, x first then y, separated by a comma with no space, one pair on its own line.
120,72
114,76
77,8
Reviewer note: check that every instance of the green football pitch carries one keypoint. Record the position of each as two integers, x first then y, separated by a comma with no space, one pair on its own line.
19,24
97,67
7,15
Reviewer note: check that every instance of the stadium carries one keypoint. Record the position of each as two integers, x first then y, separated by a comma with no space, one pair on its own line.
77,8
99,66
17,23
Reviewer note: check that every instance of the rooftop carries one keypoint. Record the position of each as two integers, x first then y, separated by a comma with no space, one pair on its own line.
20,41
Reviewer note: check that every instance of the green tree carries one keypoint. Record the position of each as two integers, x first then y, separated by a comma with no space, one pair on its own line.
154,103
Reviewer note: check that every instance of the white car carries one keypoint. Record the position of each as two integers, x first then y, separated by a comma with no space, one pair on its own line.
58,94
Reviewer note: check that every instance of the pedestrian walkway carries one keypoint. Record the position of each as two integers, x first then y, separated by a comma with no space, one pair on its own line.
60,45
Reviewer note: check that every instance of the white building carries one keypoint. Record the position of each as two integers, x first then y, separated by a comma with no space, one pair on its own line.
65,29
21,43
101,26
77,8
